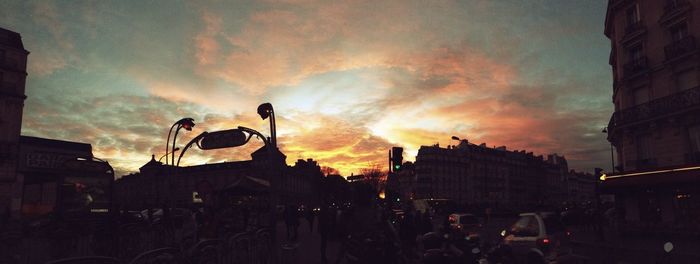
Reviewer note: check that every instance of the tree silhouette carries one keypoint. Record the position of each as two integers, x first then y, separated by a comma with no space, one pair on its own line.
329,171
374,175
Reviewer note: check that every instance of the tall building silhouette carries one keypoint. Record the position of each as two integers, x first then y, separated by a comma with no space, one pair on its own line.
655,128
13,73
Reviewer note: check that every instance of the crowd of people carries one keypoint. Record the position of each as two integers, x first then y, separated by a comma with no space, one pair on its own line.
367,230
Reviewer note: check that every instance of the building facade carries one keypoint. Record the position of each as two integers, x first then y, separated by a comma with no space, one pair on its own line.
655,128
477,175
13,74
157,185
42,174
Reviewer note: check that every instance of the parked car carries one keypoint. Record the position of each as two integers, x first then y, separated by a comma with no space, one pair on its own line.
464,223
538,236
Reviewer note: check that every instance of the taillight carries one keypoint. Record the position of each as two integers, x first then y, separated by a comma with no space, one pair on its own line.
543,243
568,233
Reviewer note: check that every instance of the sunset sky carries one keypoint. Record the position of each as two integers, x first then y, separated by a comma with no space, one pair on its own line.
348,79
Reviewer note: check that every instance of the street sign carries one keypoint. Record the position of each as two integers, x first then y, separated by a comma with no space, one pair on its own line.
223,139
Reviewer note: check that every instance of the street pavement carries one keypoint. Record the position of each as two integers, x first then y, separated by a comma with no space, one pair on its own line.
614,250
641,249
307,248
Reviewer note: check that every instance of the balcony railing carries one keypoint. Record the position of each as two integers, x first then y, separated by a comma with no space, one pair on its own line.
672,6
9,63
657,108
680,47
634,27
635,66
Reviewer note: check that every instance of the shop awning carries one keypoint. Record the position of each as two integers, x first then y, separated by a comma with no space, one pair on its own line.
667,176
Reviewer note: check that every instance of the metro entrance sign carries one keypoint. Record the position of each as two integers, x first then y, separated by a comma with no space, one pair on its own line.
223,139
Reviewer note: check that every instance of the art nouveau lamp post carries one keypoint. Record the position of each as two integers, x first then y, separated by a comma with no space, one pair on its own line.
186,123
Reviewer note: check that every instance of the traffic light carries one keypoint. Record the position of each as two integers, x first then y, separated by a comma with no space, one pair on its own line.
396,158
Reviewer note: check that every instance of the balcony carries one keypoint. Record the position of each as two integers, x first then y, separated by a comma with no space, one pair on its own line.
657,108
673,5
679,48
635,66
672,9
8,63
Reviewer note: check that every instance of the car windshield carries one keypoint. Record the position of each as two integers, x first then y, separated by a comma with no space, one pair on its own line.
525,226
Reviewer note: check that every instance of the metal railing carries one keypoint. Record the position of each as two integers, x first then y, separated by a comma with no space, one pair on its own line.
680,47
135,243
635,66
9,63
657,108
672,6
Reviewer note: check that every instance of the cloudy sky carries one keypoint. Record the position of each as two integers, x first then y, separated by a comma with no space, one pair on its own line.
348,79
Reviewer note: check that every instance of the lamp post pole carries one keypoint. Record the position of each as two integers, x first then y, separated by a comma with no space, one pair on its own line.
186,123
265,110
166,154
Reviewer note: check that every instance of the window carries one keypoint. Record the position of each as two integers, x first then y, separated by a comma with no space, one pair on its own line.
636,53
679,32
694,137
640,96
633,15
526,226
644,147
687,80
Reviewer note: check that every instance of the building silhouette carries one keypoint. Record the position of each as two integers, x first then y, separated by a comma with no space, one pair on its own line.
13,74
31,168
157,185
655,128
477,174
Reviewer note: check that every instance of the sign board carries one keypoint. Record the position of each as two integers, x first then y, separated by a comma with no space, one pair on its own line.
223,139
45,160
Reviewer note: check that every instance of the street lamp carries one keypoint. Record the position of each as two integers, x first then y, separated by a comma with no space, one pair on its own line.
456,138
186,123
612,156
265,110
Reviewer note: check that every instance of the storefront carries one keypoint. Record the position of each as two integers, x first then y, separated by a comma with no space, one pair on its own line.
660,201
62,176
